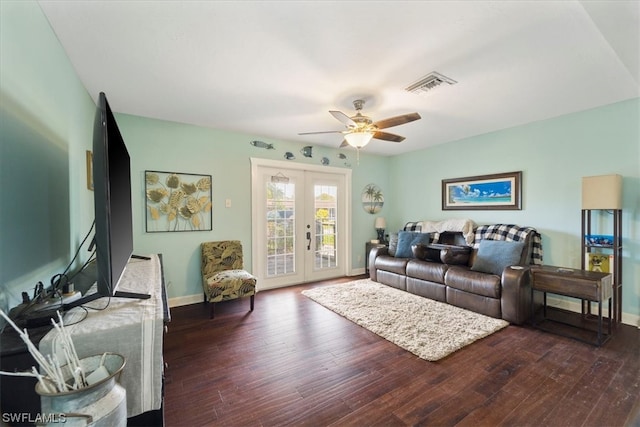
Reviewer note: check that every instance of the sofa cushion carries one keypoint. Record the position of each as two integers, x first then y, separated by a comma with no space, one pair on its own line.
474,302
406,239
451,254
494,255
389,263
425,270
423,288
474,282
455,255
398,281
420,251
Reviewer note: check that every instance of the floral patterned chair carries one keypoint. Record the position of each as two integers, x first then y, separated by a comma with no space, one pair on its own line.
223,277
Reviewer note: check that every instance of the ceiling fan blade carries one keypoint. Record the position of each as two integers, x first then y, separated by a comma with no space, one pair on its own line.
398,120
344,143
325,131
386,136
343,118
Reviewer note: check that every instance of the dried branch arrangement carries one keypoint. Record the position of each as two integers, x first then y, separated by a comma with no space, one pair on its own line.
52,379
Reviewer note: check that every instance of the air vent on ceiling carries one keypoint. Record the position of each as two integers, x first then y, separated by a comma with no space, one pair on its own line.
429,82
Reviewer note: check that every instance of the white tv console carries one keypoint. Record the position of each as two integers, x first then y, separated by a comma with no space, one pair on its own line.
133,328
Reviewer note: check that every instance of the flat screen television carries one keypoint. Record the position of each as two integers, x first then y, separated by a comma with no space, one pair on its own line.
112,199
112,203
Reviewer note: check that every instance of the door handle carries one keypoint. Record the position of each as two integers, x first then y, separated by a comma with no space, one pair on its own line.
308,240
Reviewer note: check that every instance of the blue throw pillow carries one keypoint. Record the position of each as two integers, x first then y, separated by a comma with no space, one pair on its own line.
494,255
406,239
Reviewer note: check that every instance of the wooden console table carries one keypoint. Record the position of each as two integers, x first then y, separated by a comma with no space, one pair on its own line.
581,284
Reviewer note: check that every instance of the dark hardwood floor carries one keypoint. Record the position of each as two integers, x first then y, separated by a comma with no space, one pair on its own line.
294,362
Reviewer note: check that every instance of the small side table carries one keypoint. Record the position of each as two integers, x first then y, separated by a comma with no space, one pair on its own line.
582,284
367,249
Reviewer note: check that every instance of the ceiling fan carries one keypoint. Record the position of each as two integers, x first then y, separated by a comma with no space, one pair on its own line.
361,129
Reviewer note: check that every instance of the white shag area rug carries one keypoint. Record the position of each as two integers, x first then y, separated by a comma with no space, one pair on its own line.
429,329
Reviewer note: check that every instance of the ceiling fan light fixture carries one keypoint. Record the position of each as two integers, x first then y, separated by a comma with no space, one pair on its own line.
360,129
358,139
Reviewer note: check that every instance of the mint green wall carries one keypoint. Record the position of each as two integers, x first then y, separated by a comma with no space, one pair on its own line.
41,95
39,85
553,155
38,81
175,147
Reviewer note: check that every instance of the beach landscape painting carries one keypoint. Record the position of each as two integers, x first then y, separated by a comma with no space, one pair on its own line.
496,192
372,199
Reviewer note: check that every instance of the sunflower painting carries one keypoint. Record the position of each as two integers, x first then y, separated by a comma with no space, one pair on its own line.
177,201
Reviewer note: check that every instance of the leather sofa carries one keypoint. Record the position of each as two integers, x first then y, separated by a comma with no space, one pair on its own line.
506,295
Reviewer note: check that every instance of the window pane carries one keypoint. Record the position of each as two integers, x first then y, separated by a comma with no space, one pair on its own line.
280,228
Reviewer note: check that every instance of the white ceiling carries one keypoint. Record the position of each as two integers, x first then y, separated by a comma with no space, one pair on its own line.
273,69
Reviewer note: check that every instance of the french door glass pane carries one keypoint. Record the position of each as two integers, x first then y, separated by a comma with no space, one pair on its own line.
280,228
326,227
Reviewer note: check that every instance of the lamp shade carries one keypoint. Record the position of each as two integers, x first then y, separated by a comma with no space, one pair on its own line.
380,223
602,192
358,139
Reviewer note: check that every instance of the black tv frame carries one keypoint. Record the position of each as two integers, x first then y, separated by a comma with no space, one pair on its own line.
113,207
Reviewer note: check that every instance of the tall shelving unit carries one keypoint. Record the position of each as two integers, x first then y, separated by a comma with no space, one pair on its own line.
615,249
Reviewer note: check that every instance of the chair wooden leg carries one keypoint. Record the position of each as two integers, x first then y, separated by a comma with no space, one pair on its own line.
251,299
211,314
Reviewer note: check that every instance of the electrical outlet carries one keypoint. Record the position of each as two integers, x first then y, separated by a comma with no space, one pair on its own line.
227,203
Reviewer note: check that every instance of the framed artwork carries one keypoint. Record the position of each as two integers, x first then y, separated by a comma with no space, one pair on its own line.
177,202
487,192
372,199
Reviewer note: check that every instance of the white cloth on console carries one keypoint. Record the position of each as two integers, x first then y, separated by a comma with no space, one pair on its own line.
465,226
130,327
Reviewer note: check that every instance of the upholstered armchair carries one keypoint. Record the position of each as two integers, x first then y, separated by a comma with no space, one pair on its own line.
223,274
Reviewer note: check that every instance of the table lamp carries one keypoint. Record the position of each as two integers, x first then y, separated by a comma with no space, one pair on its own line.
380,225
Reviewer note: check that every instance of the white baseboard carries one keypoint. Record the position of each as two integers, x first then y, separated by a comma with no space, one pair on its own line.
354,272
186,300
575,306
357,272
260,287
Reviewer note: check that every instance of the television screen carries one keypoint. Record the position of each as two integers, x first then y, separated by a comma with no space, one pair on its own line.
112,199
112,203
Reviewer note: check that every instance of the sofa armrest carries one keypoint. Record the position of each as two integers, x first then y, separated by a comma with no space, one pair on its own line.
516,294
373,254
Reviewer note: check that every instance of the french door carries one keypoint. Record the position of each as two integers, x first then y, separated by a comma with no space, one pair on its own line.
299,225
